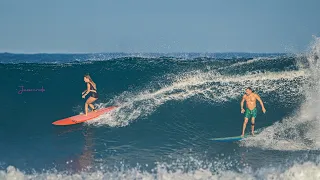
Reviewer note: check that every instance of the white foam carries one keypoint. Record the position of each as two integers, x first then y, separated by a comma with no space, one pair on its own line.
304,171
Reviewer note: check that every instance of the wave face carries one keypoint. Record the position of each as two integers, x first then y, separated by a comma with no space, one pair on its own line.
169,106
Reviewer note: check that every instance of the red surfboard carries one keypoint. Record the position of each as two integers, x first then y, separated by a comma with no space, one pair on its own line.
82,118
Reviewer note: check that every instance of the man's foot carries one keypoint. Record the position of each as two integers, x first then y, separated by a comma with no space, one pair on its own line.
85,114
242,135
252,133
94,110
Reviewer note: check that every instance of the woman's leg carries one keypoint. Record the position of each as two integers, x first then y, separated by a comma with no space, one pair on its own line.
86,109
88,102
92,107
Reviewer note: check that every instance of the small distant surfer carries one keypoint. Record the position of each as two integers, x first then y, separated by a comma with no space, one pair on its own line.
251,108
92,89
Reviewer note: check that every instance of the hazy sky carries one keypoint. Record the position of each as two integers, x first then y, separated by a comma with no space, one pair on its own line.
31,26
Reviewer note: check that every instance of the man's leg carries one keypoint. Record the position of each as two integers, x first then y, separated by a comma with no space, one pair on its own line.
252,125
244,125
254,115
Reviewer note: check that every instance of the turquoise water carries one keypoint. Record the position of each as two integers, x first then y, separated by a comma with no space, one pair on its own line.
170,106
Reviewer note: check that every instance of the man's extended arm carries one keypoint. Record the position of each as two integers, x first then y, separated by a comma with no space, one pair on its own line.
261,103
241,104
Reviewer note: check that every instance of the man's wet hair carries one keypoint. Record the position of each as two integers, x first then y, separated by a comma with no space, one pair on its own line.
250,89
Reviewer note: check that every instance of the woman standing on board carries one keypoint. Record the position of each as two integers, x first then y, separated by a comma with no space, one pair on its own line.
92,89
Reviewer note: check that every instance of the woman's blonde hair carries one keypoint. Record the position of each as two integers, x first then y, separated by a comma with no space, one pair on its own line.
90,80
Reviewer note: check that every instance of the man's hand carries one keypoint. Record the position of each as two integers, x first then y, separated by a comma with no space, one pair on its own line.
261,103
83,96
242,111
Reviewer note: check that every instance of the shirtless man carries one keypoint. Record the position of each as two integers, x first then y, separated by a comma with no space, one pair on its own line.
251,108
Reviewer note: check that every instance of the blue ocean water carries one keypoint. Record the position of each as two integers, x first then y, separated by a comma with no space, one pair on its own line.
170,105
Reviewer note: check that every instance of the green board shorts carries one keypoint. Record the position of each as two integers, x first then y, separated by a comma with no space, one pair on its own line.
251,113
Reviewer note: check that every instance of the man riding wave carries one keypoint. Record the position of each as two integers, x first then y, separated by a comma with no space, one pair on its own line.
251,108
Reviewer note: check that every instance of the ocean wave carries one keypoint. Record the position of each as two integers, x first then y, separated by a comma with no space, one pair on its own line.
209,86
300,131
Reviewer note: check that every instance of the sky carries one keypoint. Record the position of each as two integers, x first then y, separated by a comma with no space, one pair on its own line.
82,26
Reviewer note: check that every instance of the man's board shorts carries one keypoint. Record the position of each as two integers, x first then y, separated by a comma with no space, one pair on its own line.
251,113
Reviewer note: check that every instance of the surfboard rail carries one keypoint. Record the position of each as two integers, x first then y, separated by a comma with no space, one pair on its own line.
235,138
82,118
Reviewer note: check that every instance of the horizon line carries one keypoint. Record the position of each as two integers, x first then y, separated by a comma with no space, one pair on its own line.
83,53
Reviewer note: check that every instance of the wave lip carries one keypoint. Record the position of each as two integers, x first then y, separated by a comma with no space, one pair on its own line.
84,57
